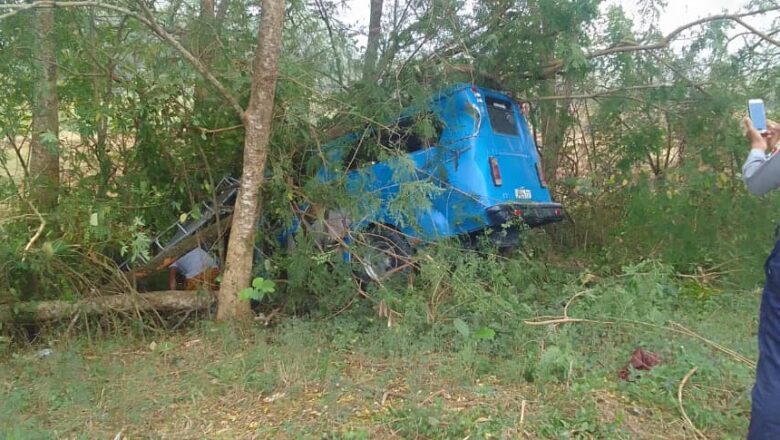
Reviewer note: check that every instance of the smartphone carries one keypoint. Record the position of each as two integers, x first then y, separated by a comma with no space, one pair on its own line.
757,114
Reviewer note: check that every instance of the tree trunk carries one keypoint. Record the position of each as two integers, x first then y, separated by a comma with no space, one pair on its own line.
44,165
164,301
257,126
203,45
374,32
553,120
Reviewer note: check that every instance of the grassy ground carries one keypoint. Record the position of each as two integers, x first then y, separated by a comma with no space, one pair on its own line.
350,376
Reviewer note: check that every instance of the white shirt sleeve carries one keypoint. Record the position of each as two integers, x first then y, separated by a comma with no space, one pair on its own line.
760,174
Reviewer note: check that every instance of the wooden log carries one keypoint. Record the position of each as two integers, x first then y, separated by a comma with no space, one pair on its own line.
162,301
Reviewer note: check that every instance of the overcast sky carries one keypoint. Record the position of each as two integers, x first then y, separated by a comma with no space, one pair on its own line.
677,13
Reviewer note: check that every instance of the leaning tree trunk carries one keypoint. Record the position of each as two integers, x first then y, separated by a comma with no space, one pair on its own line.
257,127
44,165
374,32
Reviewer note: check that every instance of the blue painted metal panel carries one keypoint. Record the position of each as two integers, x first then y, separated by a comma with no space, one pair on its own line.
459,165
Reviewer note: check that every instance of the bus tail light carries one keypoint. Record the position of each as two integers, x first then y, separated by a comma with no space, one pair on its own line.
495,172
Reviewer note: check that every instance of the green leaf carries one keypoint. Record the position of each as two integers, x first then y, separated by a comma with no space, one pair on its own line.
263,285
461,327
249,293
485,333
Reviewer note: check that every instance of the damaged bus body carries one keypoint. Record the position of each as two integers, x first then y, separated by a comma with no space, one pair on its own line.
473,149
466,161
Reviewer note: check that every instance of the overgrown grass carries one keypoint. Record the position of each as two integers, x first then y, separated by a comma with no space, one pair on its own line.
440,375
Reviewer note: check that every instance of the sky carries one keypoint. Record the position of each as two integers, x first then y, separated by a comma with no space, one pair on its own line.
676,13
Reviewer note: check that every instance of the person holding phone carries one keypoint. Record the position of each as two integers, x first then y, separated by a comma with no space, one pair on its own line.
761,175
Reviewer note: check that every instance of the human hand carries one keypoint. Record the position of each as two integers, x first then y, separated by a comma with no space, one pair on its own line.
757,141
772,135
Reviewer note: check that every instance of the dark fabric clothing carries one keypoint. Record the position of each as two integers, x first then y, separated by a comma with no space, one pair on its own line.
765,414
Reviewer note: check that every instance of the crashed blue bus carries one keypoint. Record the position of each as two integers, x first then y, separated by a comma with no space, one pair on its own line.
471,144
468,151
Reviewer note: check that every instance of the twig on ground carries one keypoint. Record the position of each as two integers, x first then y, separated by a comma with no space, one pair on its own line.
568,303
564,320
684,330
388,394
72,322
266,319
697,433
430,398
522,411
672,327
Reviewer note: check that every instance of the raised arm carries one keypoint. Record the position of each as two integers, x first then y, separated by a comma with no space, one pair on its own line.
761,175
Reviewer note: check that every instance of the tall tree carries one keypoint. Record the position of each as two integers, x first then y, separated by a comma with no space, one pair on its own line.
257,126
374,33
44,165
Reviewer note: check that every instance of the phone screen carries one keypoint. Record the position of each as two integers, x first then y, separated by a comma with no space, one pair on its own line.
757,114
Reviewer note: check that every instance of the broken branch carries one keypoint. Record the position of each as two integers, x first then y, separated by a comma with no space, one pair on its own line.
163,301
688,421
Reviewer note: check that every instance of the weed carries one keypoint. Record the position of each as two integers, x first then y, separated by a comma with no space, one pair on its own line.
476,369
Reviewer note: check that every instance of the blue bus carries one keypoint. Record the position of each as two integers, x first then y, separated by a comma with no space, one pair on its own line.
467,158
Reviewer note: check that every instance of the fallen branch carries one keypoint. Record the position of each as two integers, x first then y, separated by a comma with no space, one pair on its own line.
688,421
672,327
162,301
686,331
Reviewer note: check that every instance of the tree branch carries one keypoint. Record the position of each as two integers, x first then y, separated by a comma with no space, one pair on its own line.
336,55
664,42
148,20
682,75
762,35
600,94
200,67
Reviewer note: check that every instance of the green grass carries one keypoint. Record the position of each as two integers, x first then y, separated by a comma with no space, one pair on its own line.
350,376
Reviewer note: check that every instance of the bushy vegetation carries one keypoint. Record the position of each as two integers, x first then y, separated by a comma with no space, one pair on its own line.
662,247
463,360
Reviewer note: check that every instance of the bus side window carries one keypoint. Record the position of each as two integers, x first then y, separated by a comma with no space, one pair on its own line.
422,132
407,135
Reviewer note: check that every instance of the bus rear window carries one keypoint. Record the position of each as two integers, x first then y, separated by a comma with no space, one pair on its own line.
501,115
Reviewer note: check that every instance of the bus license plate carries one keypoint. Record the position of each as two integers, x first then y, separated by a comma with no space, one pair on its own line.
522,193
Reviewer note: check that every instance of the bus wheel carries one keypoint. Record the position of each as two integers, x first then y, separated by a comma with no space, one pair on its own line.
386,253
